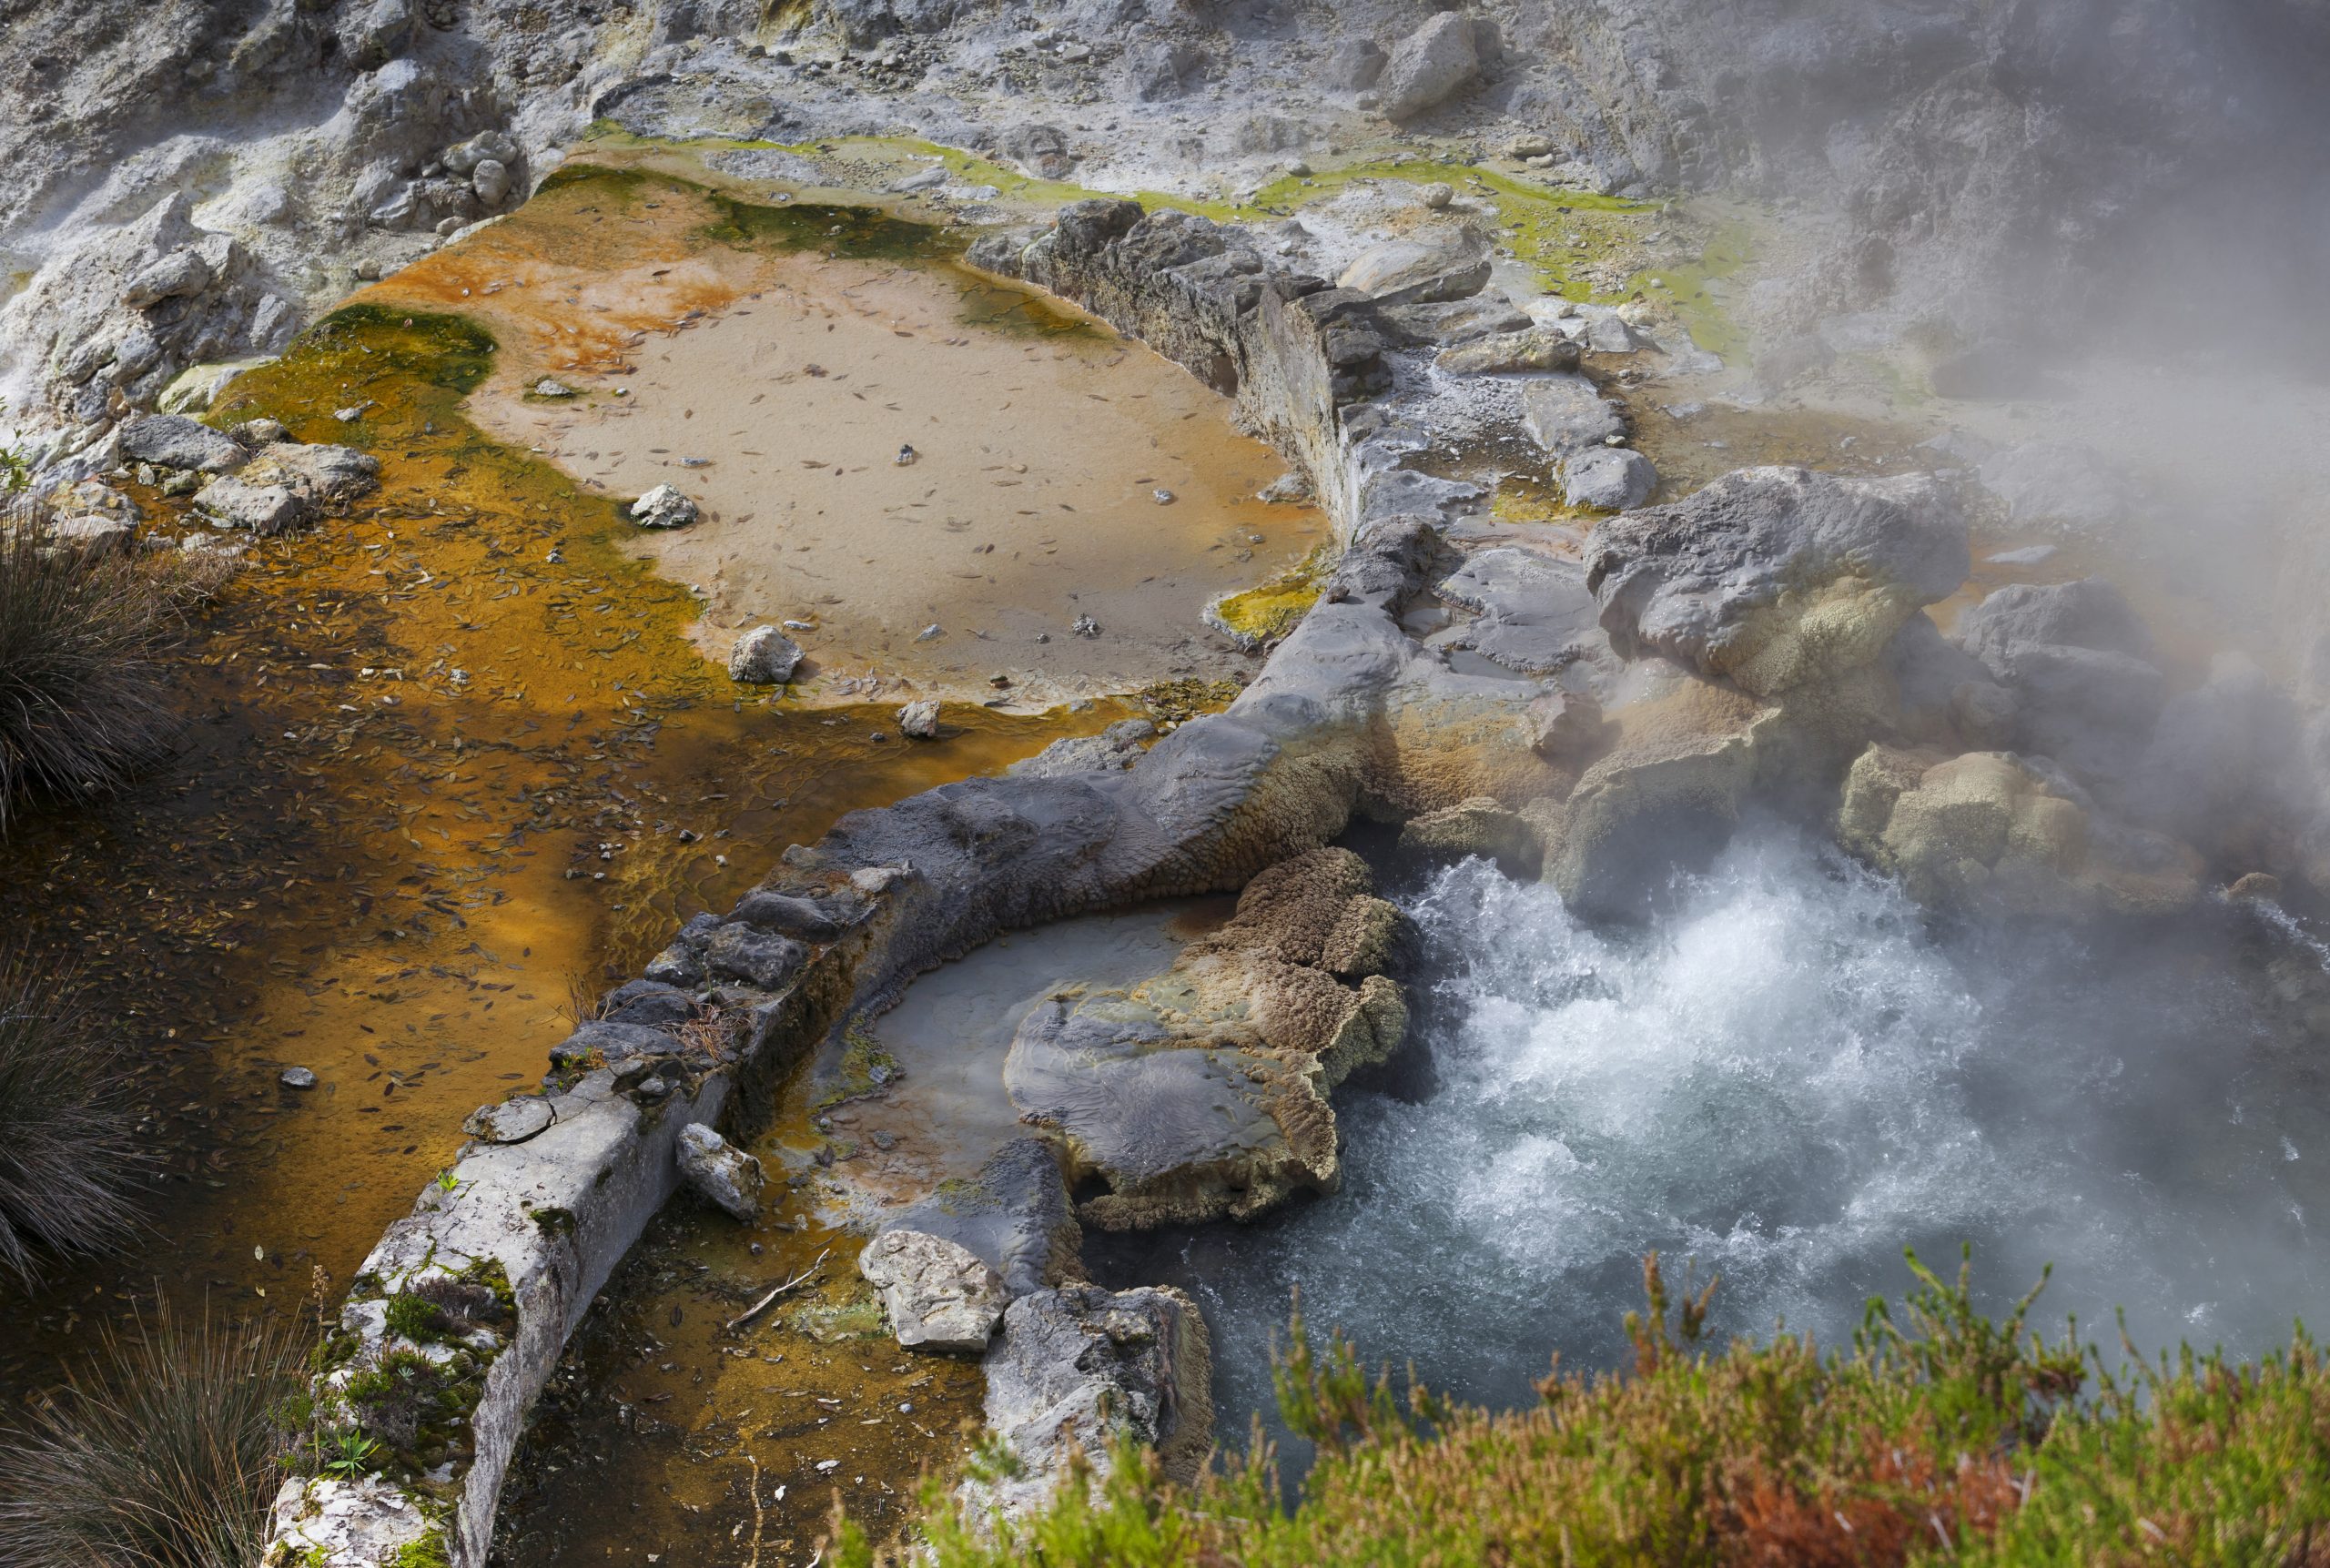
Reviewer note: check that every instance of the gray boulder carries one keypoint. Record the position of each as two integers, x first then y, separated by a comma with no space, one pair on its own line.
939,1295
721,1173
175,441
1040,150
1609,478
1079,1368
1162,69
1450,265
1529,350
1771,577
1429,67
264,509
1567,414
2079,664
180,273
763,656
1355,64
738,951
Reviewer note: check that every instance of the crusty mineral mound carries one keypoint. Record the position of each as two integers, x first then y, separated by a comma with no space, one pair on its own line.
1203,1091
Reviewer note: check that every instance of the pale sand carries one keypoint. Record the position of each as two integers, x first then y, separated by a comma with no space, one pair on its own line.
1030,501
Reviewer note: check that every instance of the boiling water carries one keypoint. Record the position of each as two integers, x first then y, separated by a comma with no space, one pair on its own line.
1786,1081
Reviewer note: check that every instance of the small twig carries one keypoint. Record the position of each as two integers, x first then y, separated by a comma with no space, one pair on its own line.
749,1313
753,1461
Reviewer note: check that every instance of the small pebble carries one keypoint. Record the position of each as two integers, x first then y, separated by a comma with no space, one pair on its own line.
1162,497
298,1077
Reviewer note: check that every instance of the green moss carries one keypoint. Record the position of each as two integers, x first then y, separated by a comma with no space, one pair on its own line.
830,1322
412,1318
555,1221
428,1552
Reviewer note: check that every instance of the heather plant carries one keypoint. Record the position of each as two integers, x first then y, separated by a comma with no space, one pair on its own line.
1937,1435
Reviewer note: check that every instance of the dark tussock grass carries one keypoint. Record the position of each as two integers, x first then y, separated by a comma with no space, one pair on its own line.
85,694
68,1159
164,1453
1941,1438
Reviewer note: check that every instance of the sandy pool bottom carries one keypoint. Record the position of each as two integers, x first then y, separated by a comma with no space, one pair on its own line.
1057,474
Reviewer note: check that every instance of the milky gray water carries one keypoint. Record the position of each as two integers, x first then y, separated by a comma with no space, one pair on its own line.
1786,1080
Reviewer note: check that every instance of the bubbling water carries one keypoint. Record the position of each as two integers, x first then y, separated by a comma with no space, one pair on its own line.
1786,1080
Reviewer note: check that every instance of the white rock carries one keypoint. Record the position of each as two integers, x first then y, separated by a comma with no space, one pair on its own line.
918,721
1428,67
1437,195
490,180
763,656
940,1295
721,1172
664,507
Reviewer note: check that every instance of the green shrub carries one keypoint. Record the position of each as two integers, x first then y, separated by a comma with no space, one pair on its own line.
1945,1438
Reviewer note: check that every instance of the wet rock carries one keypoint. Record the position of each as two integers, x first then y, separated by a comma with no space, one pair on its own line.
1078,1367
664,507
1454,265
721,1173
918,721
2078,662
1429,67
1567,726
1014,1215
763,656
939,1295
1533,614
1608,479
1567,414
175,441
1534,348
1772,577
253,435
2255,887
738,951
288,485
512,1120
1482,825
298,1078
1202,1091
1114,750
1609,334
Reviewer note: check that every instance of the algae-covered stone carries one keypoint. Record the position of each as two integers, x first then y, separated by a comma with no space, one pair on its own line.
1608,479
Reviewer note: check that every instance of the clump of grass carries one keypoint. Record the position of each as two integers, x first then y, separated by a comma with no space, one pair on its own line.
1942,1438
165,1454
68,1157
84,700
